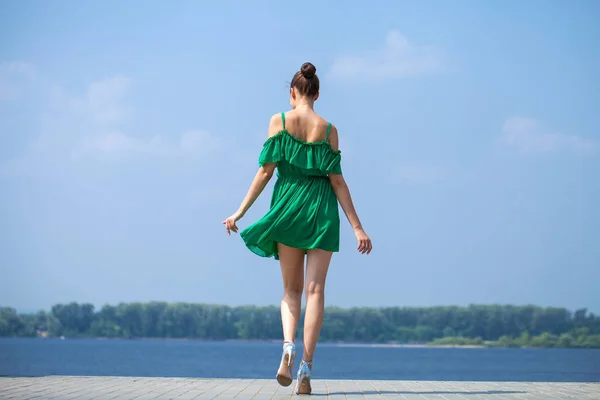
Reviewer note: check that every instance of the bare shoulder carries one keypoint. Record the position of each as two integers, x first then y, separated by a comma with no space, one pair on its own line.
334,138
334,130
275,124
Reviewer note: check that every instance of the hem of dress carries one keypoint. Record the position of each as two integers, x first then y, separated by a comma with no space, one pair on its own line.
276,255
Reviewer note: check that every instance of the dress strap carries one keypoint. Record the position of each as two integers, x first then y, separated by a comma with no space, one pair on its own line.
328,131
283,120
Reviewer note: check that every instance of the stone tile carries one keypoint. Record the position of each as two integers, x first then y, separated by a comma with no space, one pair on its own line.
131,388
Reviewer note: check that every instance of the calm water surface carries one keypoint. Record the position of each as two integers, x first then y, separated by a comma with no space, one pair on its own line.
155,358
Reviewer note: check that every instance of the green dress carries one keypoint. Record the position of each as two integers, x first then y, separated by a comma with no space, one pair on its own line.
304,208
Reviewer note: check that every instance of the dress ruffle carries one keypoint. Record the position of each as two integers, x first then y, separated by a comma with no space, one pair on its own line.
306,155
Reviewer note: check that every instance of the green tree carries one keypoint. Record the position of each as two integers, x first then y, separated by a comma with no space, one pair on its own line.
494,325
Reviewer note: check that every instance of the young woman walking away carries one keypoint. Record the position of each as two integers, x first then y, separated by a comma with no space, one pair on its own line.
303,220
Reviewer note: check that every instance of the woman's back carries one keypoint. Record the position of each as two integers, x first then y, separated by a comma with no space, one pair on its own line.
302,149
306,125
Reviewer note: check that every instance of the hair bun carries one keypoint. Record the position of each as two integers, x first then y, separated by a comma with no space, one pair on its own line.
308,70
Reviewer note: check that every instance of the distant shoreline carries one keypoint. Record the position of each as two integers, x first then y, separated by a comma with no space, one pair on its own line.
475,326
486,345
326,343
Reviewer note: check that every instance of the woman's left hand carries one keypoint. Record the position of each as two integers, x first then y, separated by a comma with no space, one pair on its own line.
230,223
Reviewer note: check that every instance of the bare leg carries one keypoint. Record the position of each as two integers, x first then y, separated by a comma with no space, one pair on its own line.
292,272
317,265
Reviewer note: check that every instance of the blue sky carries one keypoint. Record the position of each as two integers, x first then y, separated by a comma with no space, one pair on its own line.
470,137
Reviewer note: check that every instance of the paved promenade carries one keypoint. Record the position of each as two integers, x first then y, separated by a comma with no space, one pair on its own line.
125,388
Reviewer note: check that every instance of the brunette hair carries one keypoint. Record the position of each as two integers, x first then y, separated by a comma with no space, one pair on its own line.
306,80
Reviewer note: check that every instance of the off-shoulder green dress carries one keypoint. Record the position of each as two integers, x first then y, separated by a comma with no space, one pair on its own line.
304,208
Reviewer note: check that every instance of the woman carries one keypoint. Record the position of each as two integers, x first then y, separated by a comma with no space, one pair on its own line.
303,220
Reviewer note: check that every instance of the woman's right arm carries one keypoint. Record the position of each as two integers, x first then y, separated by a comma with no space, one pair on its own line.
342,192
262,177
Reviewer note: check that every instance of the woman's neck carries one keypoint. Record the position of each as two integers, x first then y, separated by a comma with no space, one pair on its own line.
305,106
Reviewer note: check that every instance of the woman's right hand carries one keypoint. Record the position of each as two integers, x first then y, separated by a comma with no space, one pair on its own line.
364,242
230,223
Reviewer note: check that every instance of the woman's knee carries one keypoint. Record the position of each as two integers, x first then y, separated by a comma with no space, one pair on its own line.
315,288
292,289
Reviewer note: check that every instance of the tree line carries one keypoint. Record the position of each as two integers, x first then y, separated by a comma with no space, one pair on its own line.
503,325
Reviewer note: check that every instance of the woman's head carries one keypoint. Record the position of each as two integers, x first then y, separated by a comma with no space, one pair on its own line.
305,85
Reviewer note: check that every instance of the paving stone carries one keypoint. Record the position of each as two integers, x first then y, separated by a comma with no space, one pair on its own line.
132,388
